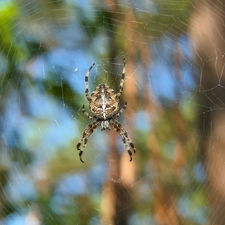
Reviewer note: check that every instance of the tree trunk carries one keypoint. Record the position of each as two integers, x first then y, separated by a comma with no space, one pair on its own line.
207,34
116,199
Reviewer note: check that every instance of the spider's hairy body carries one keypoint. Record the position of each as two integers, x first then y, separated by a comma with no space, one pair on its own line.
104,104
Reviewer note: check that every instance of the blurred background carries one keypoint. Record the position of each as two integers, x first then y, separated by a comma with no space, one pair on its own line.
174,87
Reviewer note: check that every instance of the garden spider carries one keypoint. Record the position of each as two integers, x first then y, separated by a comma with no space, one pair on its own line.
104,104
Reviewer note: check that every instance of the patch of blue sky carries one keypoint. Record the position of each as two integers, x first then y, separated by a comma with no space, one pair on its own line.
144,218
73,184
72,36
142,122
186,209
143,6
59,203
187,67
4,3
40,105
12,113
53,126
162,78
187,77
95,220
71,65
58,135
14,219
199,172
50,136
78,64
85,4
184,44
20,187
162,82
97,174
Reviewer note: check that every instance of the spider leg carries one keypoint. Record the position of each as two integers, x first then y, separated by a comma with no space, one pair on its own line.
122,80
87,115
86,83
125,137
120,111
84,139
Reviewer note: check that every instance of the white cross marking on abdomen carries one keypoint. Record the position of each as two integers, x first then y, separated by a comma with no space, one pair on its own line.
103,104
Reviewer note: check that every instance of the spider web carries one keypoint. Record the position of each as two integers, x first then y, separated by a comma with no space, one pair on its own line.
174,114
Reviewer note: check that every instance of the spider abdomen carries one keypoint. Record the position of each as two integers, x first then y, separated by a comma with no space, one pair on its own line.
104,102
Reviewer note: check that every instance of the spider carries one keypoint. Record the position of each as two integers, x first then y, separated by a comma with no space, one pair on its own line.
104,104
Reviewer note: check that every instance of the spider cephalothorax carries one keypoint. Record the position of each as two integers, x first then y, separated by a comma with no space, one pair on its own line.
104,104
